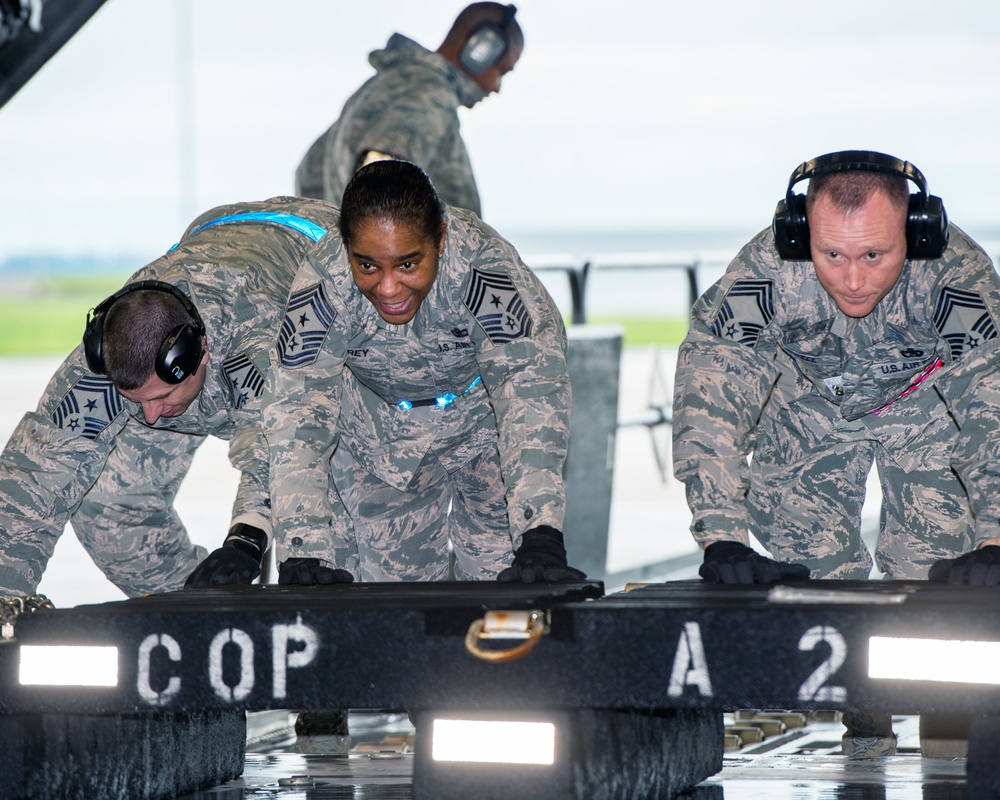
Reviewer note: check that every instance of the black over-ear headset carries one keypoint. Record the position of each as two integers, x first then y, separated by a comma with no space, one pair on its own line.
926,220
179,355
486,44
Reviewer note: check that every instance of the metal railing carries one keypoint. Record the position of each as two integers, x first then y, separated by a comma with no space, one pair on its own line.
578,272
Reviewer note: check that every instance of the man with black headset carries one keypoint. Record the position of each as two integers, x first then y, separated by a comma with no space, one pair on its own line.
180,353
409,109
857,328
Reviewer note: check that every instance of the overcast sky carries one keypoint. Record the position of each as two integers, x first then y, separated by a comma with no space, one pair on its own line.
626,114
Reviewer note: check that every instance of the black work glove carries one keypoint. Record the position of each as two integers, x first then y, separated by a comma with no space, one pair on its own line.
979,568
236,563
541,557
307,571
735,562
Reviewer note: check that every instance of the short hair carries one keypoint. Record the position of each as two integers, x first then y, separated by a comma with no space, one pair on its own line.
392,191
850,190
135,328
476,14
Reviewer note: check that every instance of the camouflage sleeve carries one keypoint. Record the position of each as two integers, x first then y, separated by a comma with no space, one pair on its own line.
413,126
965,300
523,366
50,461
722,382
248,453
971,390
301,413
963,292
127,521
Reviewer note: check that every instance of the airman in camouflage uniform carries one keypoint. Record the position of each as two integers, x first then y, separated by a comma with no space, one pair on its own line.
773,368
86,453
465,407
409,110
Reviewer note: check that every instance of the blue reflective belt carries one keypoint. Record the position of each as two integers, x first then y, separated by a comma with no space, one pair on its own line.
300,224
441,401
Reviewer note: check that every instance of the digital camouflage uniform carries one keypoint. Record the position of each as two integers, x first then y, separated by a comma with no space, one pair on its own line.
408,110
86,452
771,367
487,332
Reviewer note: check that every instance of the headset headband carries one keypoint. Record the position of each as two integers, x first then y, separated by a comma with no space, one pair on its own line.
857,161
154,286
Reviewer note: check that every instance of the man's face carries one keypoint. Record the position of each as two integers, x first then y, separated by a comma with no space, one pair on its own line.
489,80
394,266
858,255
161,399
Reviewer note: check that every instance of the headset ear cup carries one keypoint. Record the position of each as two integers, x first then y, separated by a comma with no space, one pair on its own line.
180,354
926,227
93,343
484,48
791,229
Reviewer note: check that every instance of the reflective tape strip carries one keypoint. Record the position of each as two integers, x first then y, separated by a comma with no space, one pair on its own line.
300,224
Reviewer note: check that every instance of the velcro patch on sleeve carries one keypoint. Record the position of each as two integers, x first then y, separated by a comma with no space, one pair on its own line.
746,311
244,379
963,320
308,319
88,407
495,302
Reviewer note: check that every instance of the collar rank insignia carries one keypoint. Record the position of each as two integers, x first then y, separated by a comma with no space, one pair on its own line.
746,311
497,306
243,379
308,318
88,408
962,320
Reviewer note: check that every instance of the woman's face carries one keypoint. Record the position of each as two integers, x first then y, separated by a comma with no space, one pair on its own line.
394,266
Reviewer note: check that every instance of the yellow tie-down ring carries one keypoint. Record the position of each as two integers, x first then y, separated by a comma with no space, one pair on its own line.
527,625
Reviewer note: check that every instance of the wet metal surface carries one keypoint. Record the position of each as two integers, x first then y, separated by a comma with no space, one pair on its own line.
803,764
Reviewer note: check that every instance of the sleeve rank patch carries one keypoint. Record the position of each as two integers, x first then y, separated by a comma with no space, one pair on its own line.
243,378
746,311
963,320
496,304
88,408
308,318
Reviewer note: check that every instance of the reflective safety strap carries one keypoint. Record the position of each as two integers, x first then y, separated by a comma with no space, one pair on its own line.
440,401
300,224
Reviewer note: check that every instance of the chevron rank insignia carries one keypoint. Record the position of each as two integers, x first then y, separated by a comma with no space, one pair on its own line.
496,304
243,378
308,318
746,311
88,408
963,321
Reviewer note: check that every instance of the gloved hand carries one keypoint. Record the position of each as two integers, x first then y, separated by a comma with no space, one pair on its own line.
236,563
541,557
735,562
979,568
307,571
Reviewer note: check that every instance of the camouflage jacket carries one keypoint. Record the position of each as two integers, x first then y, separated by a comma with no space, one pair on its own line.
237,271
767,334
409,110
487,332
